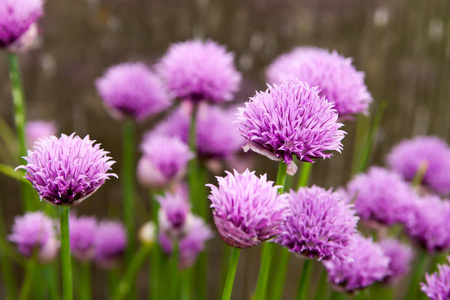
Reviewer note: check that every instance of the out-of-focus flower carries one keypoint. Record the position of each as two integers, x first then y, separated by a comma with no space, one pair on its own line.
82,234
35,232
290,119
197,233
173,213
319,224
338,80
432,152
110,244
381,196
437,286
428,223
164,161
67,170
247,210
366,264
217,136
17,18
147,233
400,256
26,41
36,130
132,90
197,70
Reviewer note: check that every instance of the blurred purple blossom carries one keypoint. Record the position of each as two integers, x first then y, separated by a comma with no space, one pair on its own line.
82,234
400,256
67,170
197,70
338,80
34,231
319,224
36,130
247,209
132,90
110,244
290,120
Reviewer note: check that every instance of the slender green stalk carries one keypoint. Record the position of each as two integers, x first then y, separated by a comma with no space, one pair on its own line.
193,163
20,121
86,288
335,295
8,274
186,284
113,282
28,280
224,263
266,256
362,130
304,279
417,274
174,274
131,272
361,295
304,174
128,170
420,174
321,291
279,278
51,272
231,273
66,261
156,273
10,172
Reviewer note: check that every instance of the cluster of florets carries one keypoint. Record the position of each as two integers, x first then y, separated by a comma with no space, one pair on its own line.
319,224
400,256
432,154
290,120
338,80
437,286
179,227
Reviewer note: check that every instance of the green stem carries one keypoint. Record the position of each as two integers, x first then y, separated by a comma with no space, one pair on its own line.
113,282
20,120
8,274
420,174
335,295
131,272
86,289
174,274
304,174
193,163
66,261
266,256
186,284
417,274
280,274
51,271
361,295
156,273
128,170
231,274
304,279
321,291
224,263
28,280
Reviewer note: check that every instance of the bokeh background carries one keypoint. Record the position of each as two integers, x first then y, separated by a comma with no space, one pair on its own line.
403,46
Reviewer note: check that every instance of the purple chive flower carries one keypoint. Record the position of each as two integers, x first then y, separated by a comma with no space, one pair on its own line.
407,156
16,18
437,286
217,136
173,212
381,196
400,256
36,130
338,80
319,224
428,223
67,170
35,232
197,70
132,90
164,161
82,234
290,119
110,244
247,210
366,264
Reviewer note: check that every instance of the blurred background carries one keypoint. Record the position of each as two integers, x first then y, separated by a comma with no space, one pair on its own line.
403,46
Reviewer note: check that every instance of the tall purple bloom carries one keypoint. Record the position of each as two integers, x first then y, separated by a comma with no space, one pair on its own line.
164,161
197,70
247,210
381,196
16,18
319,224
437,286
67,170
174,211
110,244
35,232
338,80
400,256
132,90
290,119
217,136
36,130
428,223
366,264
407,156
82,235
